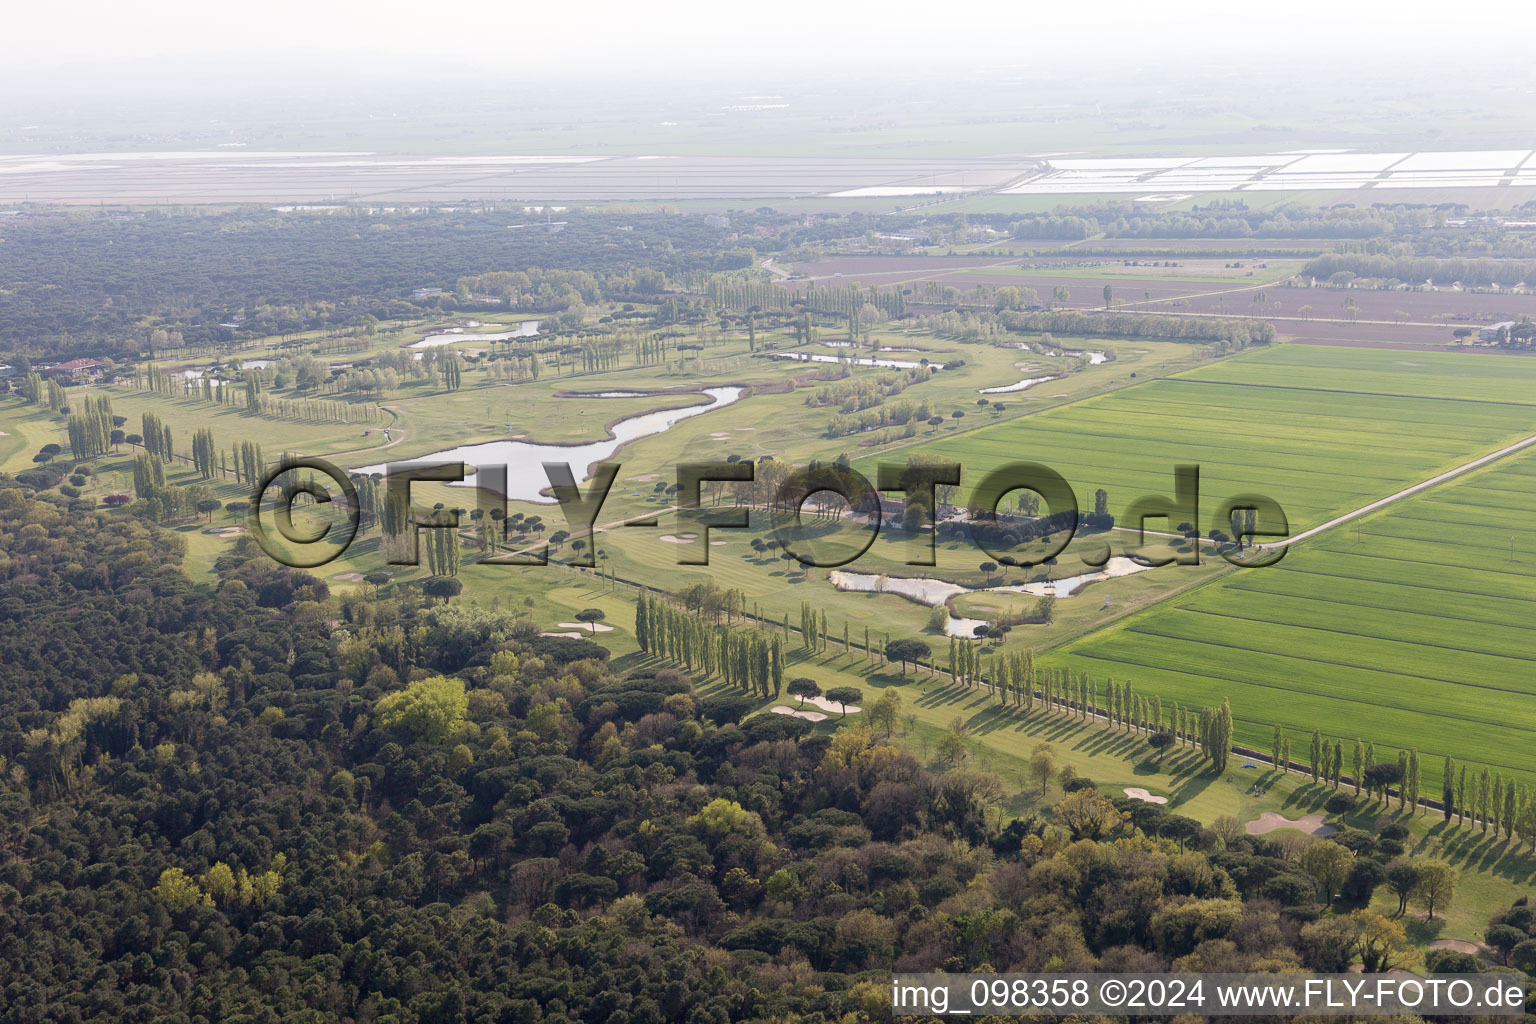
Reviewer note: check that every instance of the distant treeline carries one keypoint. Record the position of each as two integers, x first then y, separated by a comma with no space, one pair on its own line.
1417,270
1174,251
1233,331
1221,219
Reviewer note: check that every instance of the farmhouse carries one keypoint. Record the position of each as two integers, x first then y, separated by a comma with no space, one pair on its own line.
893,511
75,369
1496,332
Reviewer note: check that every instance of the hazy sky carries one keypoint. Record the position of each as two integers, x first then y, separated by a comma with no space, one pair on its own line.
159,36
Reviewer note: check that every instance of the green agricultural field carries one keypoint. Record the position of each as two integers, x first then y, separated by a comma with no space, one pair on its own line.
1411,631
1479,377
1251,425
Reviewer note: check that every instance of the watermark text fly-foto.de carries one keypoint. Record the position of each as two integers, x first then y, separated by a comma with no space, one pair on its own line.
1234,528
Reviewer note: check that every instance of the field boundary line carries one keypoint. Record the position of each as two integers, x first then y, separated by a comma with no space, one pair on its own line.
1441,616
1344,391
1406,492
1230,617
1331,663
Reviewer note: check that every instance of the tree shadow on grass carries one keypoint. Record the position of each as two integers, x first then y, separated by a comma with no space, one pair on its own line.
1112,743
1192,786
629,662
1303,798
1473,850
1055,731
952,694
990,719
1185,769
1422,931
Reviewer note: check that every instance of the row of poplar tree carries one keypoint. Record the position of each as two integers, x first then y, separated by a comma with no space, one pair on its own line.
1487,798
749,660
255,399
1015,680
677,636
91,427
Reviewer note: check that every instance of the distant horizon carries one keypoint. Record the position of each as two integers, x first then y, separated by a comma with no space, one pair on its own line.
171,39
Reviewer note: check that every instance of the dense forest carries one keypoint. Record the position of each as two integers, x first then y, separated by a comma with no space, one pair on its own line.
258,802
1402,266
95,284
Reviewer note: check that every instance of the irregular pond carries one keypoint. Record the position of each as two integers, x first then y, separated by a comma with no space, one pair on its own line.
454,335
894,364
1094,358
936,592
1023,385
525,459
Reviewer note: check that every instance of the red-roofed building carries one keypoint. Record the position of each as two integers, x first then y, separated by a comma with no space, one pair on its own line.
76,369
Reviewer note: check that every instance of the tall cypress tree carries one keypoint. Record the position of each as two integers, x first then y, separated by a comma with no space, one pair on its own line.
1483,791
1447,788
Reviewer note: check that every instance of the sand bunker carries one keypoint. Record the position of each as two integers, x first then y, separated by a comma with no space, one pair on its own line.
809,716
1459,945
1137,793
645,476
1113,569
573,636
1269,821
679,538
591,627
718,543
349,577
832,705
